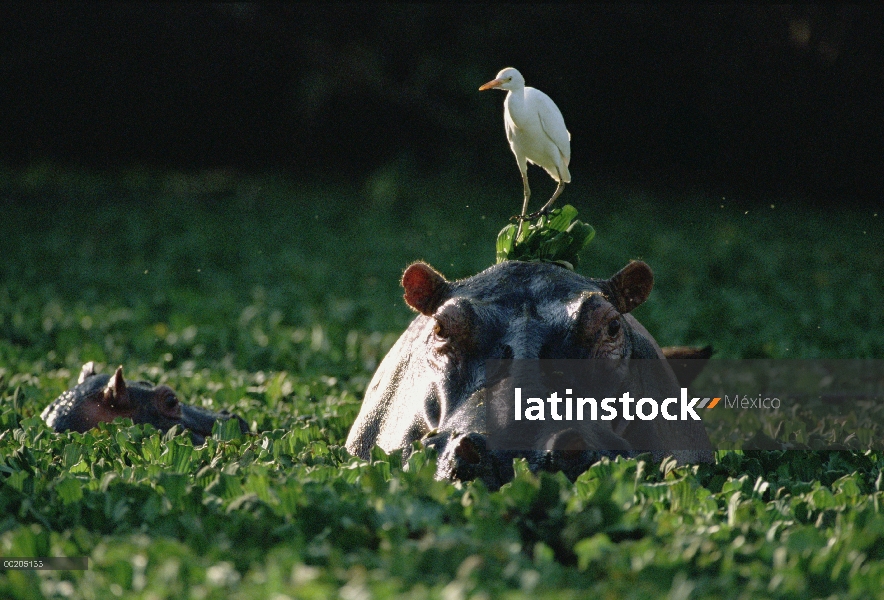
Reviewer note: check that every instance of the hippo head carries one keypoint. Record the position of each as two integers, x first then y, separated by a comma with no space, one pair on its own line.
432,384
103,398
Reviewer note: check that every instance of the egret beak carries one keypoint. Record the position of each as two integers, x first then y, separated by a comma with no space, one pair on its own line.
491,84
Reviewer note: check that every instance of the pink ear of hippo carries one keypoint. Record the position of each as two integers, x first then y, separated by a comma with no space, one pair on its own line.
425,288
631,286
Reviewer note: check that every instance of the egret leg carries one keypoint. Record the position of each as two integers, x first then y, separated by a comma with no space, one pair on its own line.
546,206
524,204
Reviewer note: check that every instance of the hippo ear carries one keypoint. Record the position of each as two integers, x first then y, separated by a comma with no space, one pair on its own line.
686,361
631,286
116,394
86,372
425,288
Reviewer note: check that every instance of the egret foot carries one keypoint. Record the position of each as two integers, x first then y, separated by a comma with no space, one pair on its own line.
546,207
536,215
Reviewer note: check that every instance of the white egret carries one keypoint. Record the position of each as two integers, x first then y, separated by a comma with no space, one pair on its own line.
536,131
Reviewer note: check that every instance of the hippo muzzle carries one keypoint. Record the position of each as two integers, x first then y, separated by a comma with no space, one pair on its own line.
467,449
200,421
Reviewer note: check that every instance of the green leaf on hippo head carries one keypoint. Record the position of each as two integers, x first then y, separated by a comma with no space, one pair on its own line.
560,219
505,240
581,235
557,237
553,247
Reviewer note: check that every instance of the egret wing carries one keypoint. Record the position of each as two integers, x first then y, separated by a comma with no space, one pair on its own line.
553,124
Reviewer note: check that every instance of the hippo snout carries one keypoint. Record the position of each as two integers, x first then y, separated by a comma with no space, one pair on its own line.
466,456
200,422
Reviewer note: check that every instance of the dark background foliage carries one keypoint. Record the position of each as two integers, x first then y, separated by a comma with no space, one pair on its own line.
758,100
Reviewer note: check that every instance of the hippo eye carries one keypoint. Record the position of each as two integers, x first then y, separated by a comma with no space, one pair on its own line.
452,329
614,328
171,401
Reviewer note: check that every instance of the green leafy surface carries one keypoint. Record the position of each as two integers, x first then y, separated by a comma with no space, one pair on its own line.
277,300
557,237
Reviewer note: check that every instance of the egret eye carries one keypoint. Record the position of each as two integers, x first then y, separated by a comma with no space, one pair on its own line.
614,328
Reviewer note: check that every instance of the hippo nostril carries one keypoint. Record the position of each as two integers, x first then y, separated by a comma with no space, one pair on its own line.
569,442
467,451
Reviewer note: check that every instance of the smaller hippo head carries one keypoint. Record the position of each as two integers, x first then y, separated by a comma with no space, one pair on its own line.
103,398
